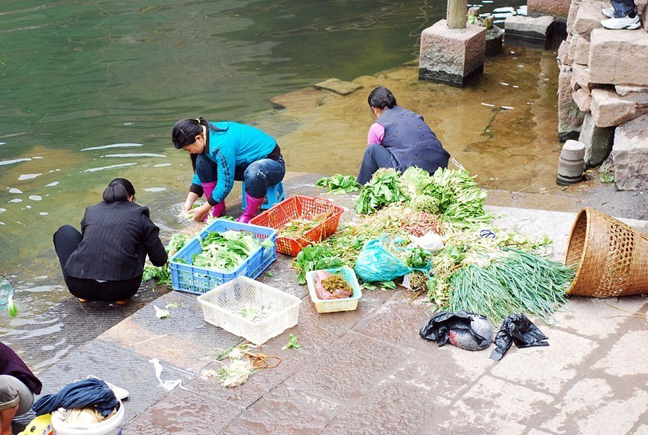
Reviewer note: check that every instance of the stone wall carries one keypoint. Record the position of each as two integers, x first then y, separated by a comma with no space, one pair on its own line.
603,91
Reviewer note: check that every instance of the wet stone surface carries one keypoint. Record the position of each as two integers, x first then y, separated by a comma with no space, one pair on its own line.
287,410
183,412
183,339
348,368
117,366
368,370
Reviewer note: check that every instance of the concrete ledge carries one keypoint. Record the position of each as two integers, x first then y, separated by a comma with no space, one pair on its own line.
528,31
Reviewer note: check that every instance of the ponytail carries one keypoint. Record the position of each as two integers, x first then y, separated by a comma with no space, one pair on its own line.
185,131
382,98
119,189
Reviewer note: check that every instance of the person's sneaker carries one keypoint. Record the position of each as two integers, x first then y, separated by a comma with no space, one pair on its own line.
622,23
608,12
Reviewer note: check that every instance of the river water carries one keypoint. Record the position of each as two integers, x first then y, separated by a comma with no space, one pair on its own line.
89,91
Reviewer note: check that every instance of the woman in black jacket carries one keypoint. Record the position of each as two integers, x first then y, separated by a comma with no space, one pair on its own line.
104,262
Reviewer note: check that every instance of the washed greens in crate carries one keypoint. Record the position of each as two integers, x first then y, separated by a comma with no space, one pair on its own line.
226,251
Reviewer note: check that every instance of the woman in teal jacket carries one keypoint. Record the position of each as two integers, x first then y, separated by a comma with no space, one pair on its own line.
222,152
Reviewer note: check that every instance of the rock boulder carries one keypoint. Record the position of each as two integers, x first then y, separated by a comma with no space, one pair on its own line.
630,155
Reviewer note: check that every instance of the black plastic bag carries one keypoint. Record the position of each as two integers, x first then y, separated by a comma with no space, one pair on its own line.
518,329
465,330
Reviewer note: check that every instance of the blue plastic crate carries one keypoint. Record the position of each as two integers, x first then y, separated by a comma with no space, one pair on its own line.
199,280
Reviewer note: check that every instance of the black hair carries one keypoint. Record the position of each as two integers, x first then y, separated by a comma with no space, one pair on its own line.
119,189
185,131
381,98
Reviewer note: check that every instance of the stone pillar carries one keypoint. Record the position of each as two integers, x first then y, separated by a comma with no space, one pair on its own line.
456,14
571,163
452,56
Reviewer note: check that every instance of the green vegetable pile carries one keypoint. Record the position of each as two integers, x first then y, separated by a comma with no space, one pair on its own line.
452,194
227,251
314,257
498,276
381,190
494,275
516,282
163,273
339,184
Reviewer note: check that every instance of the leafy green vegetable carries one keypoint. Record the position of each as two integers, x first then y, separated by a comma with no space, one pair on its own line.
451,193
248,313
339,183
314,257
11,307
292,343
381,190
161,313
163,273
515,282
226,251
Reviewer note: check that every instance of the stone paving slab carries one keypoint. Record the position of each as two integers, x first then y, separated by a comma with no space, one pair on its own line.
183,339
369,371
118,366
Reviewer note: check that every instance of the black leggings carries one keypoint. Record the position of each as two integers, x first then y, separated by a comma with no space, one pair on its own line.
66,241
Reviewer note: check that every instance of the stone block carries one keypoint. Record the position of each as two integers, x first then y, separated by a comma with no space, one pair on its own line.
338,86
597,140
627,90
581,77
571,16
494,41
619,58
300,100
630,154
452,56
563,52
610,109
581,50
569,115
528,31
588,18
583,99
554,8
642,8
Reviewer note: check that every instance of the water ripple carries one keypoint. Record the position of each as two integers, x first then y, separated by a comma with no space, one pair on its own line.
127,155
110,167
118,145
9,162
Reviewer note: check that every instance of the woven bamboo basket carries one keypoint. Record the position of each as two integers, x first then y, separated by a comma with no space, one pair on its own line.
612,258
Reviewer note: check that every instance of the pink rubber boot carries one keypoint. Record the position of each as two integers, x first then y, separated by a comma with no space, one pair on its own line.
218,209
253,206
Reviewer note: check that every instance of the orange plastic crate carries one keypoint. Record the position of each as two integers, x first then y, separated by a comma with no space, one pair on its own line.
300,207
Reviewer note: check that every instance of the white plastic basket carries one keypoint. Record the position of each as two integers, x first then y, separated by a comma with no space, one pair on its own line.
334,305
250,309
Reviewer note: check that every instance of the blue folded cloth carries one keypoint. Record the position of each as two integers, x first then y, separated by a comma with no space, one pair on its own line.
88,393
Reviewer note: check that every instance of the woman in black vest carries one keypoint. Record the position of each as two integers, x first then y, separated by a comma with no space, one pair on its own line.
105,261
399,139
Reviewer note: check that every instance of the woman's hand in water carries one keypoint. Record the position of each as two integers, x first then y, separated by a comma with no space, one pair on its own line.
187,206
189,202
198,214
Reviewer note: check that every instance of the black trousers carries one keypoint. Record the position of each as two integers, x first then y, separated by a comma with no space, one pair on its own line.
66,241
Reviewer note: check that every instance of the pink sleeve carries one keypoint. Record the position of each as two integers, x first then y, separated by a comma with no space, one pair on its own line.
376,134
